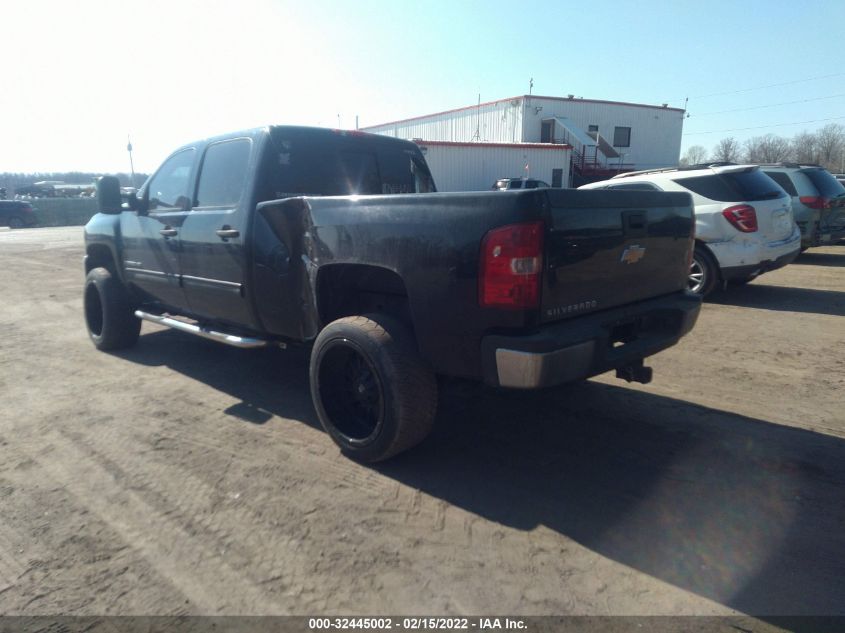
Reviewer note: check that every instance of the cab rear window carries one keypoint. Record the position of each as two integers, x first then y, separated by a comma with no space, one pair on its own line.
734,187
343,166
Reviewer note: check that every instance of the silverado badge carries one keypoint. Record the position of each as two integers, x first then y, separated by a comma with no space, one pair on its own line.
632,254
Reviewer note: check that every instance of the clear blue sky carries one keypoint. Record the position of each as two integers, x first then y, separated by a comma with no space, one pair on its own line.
81,75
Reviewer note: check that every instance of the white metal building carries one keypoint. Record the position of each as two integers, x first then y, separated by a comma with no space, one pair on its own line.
607,137
477,166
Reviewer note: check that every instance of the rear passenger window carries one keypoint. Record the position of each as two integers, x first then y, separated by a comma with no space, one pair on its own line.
223,174
783,180
744,186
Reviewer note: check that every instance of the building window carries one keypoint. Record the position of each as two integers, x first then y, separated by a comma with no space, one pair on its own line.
592,128
547,132
621,137
557,178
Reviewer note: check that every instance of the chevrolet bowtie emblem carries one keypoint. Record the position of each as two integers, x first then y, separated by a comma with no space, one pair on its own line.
632,254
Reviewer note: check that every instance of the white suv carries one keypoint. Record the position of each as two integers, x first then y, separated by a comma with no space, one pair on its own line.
743,219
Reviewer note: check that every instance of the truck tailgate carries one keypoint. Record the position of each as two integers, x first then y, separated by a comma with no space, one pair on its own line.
608,248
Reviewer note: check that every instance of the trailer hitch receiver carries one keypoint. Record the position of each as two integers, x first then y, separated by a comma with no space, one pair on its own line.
635,372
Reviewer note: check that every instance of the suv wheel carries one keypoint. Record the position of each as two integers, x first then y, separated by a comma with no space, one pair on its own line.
703,272
15,222
374,395
109,316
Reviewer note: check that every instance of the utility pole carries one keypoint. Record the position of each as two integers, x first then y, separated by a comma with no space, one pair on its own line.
530,86
131,164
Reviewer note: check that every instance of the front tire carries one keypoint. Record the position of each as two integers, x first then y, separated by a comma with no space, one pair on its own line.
109,316
373,393
703,273
15,222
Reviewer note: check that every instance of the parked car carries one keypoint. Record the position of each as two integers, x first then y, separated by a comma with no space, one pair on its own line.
505,184
17,214
270,237
743,219
818,201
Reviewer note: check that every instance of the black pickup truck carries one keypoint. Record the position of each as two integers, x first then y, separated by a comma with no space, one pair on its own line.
291,235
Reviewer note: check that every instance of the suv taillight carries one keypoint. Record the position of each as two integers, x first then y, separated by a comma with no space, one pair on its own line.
511,260
743,217
815,202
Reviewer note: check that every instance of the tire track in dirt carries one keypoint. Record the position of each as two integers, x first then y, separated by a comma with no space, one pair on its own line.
237,536
165,544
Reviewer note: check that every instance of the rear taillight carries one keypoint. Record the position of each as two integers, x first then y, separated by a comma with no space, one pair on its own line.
511,260
743,217
815,202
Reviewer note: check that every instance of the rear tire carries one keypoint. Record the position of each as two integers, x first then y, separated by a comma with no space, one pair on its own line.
109,316
373,393
15,222
704,272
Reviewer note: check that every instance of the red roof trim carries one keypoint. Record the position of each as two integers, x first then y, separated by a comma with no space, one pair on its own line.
563,146
487,103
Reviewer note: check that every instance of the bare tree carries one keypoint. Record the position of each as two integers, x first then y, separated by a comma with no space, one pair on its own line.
805,148
830,142
695,154
727,151
767,149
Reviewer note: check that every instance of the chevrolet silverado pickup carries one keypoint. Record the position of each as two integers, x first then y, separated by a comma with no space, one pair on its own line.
338,241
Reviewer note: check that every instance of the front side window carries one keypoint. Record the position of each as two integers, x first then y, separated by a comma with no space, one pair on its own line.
223,174
621,137
168,189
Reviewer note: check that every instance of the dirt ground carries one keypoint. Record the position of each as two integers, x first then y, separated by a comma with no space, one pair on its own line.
184,477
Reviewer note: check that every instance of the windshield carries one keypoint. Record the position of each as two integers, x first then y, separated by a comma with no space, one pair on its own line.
824,181
744,186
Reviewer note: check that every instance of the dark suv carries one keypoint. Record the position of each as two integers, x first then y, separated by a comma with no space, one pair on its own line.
16,214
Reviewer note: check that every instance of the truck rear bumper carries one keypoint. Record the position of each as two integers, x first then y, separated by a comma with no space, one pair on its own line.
589,345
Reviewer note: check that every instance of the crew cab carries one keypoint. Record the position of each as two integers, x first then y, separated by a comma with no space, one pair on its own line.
338,241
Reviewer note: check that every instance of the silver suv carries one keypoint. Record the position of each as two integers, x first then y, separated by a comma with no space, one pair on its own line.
818,201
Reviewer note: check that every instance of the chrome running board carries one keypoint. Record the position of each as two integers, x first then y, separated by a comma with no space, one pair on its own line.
244,342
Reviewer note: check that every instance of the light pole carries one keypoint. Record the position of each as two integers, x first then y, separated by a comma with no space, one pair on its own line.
131,164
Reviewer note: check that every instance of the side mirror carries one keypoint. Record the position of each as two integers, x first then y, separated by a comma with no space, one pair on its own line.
131,203
108,195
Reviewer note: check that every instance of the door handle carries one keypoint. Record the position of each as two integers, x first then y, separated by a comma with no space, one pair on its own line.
227,231
168,232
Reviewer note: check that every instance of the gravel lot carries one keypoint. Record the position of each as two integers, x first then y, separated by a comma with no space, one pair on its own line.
185,477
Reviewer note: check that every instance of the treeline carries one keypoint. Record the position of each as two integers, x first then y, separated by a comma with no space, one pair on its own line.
11,181
825,147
